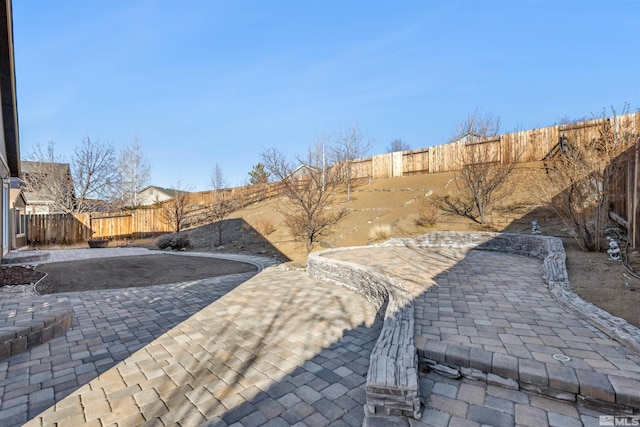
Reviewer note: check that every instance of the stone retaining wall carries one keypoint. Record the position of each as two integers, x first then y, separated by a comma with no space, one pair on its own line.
392,379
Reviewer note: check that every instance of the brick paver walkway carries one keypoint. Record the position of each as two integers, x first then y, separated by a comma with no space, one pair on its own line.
279,348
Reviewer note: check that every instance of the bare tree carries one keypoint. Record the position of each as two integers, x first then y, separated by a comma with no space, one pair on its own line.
217,179
175,211
398,145
47,180
225,204
581,174
94,172
483,167
134,172
349,145
309,205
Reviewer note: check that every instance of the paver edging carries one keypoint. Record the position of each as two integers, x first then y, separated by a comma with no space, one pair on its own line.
26,257
616,394
392,379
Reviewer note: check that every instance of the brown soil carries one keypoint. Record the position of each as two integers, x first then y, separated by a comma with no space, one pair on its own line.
19,275
605,283
125,272
259,229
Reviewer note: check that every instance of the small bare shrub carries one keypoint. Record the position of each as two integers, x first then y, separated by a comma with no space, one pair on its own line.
173,241
380,232
428,214
265,227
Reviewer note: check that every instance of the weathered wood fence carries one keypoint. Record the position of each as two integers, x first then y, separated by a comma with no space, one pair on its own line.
529,145
626,210
76,228
47,229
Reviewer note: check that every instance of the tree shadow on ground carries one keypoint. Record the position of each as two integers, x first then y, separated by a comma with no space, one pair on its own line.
238,237
108,327
300,352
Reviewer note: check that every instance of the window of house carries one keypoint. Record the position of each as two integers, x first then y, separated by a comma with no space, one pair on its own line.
21,222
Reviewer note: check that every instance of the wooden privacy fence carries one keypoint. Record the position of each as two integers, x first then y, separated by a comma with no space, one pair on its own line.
47,229
530,145
626,210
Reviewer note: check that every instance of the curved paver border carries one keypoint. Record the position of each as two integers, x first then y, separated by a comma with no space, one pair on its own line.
387,391
567,383
36,320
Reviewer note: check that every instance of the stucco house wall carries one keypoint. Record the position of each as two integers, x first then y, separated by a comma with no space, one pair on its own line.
9,141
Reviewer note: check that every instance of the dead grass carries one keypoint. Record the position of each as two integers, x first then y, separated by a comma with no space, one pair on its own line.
265,227
380,233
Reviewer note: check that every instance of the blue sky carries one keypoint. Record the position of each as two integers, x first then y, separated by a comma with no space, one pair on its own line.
202,82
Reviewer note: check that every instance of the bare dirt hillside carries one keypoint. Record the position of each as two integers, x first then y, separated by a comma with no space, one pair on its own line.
259,229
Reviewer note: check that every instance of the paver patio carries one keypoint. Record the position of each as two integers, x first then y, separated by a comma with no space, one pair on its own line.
280,348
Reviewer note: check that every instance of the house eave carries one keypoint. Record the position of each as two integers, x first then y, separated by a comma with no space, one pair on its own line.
8,89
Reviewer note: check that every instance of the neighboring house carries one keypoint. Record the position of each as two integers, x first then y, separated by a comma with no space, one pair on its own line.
151,195
302,170
468,137
10,144
48,187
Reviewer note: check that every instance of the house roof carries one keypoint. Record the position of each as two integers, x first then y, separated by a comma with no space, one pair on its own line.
32,167
302,170
168,191
8,89
60,171
15,194
467,137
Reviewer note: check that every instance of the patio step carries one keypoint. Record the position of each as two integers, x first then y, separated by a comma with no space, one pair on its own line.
29,322
603,391
27,257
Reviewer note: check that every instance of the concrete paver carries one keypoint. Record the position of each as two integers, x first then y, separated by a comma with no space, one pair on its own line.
472,304
240,344
282,349
497,302
467,402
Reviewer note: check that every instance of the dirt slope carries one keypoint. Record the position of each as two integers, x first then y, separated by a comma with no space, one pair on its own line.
259,228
